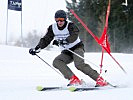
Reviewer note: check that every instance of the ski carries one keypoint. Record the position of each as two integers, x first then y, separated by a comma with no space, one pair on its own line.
74,89
110,86
71,88
41,88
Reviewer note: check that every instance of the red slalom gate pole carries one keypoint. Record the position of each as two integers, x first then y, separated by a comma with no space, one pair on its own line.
84,25
101,61
118,63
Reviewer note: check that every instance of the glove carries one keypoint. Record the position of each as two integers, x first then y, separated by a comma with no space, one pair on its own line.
35,50
55,42
60,42
32,51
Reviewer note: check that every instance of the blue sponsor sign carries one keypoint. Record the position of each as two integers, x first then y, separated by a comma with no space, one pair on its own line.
15,5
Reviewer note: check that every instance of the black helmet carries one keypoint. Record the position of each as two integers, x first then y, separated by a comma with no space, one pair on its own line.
61,14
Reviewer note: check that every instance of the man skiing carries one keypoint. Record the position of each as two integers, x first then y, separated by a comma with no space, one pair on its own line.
65,35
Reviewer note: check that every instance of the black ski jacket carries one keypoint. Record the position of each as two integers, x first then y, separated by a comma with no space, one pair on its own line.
73,31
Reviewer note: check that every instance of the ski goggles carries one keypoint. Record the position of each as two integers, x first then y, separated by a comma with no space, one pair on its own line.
59,19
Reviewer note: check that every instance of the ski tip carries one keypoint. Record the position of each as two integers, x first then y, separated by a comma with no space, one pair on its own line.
39,88
72,89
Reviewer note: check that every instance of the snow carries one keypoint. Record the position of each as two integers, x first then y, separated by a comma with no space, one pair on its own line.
21,73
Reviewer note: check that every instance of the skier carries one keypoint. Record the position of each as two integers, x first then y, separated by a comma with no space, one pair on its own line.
65,35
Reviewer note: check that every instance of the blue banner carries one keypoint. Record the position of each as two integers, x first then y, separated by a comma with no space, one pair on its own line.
15,5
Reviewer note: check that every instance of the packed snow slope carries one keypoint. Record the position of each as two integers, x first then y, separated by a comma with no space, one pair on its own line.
21,73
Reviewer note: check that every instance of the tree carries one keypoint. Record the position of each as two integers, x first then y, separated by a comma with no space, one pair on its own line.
120,26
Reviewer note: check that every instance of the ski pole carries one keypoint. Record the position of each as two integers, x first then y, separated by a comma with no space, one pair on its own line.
83,58
49,65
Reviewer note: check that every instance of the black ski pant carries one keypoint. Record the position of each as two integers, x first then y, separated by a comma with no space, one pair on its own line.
61,61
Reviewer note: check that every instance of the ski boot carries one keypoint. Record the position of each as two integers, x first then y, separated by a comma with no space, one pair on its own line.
74,81
100,82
